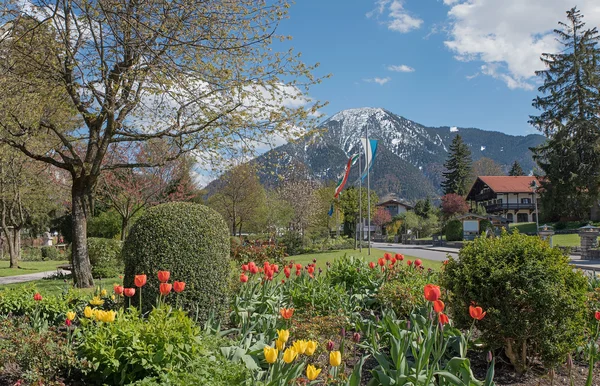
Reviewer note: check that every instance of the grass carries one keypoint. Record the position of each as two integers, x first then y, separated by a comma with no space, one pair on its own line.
570,240
566,240
57,286
324,257
26,267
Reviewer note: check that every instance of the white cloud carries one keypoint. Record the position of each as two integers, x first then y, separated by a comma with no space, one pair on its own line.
509,36
400,68
380,81
396,17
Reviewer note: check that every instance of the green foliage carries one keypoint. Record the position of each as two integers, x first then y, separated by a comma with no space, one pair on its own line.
105,257
534,300
457,177
349,204
403,291
516,170
423,226
206,371
485,225
50,253
352,272
105,225
33,357
132,348
31,254
258,253
189,240
318,295
454,230
292,241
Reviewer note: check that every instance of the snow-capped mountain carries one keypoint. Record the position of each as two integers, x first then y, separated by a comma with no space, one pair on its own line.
410,156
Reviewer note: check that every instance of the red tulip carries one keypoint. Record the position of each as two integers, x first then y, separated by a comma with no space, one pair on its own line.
243,278
286,313
418,263
286,272
597,315
68,323
245,267
298,267
311,269
275,268
381,262
178,286
330,345
445,262
399,256
163,276
372,265
356,337
438,306
118,289
432,292
409,263
393,261
165,289
443,319
140,280
387,256
476,312
37,297
298,272
129,292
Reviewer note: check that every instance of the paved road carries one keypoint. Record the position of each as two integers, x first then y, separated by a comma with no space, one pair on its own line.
26,277
440,254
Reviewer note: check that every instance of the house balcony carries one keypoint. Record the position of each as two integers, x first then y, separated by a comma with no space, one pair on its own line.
494,208
489,195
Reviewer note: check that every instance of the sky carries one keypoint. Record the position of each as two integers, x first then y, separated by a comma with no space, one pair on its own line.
465,63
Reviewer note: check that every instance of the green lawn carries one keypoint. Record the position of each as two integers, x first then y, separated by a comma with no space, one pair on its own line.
28,267
570,240
324,257
524,227
57,286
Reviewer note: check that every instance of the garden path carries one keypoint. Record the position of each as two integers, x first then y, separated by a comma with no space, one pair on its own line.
26,277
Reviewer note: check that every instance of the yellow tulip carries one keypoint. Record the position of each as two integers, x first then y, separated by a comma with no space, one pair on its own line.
279,344
312,373
112,297
311,346
289,355
300,346
99,314
335,358
103,293
87,312
70,315
283,335
109,316
96,301
270,354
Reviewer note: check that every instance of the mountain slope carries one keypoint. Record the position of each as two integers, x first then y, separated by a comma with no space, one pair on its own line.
410,156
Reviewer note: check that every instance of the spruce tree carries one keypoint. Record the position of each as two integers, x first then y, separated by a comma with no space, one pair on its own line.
516,170
457,177
570,103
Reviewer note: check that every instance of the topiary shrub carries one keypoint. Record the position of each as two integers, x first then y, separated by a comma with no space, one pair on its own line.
454,230
105,257
189,240
50,253
535,301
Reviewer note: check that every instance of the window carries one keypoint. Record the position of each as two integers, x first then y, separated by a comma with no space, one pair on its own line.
522,217
509,217
499,201
526,201
533,217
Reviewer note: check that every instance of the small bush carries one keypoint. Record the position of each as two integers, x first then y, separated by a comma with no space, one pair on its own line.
31,254
292,241
105,257
534,300
166,340
454,231
484,225
353,273
258,254
192,242
50,253
35,357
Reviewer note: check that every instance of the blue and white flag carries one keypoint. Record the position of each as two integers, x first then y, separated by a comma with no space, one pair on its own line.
370,148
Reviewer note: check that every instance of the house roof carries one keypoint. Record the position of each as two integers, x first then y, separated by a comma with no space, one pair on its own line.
393,201
509,184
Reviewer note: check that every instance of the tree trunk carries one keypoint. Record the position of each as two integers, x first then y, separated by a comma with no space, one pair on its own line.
82,269
15,251
124,225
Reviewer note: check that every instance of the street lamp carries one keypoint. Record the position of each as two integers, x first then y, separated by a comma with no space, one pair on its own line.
534,187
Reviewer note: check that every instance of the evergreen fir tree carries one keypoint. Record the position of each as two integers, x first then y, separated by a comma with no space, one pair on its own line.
458,168
516,170
570,103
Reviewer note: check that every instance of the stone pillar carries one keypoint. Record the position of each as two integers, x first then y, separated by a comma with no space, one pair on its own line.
546,232
589,240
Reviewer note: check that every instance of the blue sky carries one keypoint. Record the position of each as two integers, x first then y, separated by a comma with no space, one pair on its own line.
472,61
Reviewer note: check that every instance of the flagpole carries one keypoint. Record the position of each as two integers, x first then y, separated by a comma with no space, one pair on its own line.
360,229
369,192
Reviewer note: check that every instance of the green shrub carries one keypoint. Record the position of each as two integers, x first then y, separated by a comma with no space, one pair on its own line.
105,225
258,254
132,348
50,253
353,273
292,241
192,242
484,225
534,300
454,230
31,254
105,257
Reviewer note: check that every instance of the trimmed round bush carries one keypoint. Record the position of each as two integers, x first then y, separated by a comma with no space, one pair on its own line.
454,230
50,253
535,301
192,242
105,257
